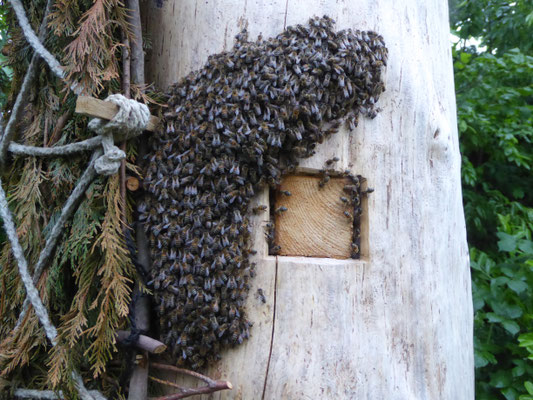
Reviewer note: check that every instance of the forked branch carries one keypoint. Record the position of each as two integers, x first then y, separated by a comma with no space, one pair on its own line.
212,385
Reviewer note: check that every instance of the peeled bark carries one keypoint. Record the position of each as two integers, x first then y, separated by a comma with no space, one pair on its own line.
396,324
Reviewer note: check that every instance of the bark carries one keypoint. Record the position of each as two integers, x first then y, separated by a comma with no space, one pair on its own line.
396,324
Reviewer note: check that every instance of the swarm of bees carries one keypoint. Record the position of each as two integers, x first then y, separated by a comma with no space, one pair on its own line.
240,122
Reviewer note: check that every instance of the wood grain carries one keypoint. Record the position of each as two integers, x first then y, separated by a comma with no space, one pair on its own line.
132,183
314,224
92,107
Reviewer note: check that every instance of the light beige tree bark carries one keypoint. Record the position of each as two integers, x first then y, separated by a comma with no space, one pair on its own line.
396,324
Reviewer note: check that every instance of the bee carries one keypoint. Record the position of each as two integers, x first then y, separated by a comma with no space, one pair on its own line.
286,193
259,209
274,250
280,210
325,179
332,161
261,295
351,188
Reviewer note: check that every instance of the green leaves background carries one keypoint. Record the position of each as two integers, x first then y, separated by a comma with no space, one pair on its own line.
494,87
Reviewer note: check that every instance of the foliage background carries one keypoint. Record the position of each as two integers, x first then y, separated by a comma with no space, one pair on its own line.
494,87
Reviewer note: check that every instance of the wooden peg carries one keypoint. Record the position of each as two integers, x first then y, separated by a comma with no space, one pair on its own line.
92,107
132,183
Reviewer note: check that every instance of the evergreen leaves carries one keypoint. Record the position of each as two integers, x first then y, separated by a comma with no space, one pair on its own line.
87,285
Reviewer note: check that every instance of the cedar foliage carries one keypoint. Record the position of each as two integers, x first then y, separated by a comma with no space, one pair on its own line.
88,283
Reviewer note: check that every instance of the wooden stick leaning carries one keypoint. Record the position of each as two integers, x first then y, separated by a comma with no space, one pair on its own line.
138,385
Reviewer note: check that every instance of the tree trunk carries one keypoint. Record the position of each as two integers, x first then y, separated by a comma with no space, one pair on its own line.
396,324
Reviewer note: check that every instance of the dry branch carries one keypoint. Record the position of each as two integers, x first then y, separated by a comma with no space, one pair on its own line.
138,387
212,385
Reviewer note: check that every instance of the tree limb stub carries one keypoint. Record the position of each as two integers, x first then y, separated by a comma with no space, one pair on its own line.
144,343
92,107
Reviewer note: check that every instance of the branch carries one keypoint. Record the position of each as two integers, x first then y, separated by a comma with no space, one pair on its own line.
138,386
136,46
31,291
65,150
167,383
212,385
57,230
145,343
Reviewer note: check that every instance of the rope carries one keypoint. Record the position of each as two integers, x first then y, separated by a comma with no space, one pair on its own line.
129,122
57,230
47,394
34,41
21,100
57,151
32,292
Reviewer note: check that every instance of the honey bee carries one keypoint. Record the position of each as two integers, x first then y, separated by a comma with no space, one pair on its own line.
259,209
280,210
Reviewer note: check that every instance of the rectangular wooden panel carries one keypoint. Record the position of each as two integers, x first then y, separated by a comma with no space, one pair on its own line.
317,223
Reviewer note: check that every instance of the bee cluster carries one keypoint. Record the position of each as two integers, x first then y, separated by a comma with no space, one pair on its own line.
240,122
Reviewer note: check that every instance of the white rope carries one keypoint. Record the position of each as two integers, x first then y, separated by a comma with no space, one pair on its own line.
34,41
57,151
20,101
31,291
47,394
131,119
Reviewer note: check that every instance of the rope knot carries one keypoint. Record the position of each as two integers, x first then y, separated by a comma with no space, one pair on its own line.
129,122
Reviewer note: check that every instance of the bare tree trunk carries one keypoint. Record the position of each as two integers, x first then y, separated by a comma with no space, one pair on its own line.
396,324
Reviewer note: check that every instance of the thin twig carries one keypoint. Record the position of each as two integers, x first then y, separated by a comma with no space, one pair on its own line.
212,385
126,90
56,151
60,124
31,291
166,383
194,374
57,230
